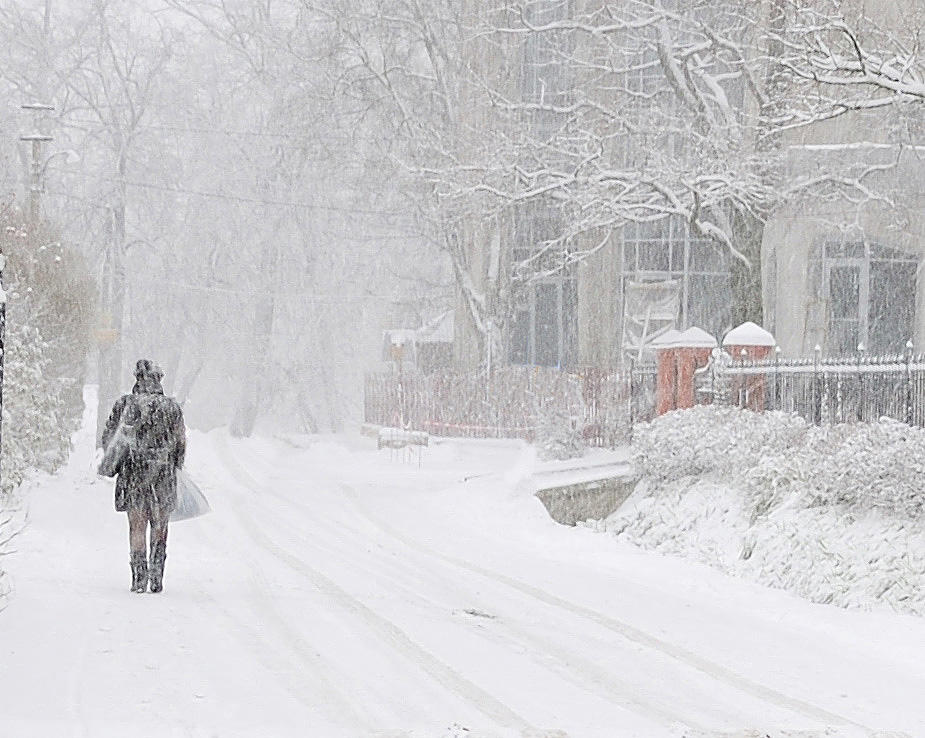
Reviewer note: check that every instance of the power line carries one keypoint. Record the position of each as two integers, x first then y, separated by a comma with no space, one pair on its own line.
242,198
191,129
304,295
369,238
257,200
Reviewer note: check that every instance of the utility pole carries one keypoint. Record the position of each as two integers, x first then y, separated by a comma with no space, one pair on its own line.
37,140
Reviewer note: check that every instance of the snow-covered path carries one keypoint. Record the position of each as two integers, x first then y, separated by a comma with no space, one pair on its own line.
339,591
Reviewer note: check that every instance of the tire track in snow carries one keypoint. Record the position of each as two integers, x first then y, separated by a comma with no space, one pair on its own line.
627,631
444,675
566,664
306,675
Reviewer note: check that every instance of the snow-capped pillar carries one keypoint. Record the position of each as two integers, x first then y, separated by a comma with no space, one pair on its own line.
749,342
665,381
692,351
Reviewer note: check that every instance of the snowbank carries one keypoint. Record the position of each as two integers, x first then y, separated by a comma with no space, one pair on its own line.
833,514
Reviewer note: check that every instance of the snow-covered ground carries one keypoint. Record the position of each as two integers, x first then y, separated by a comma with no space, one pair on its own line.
337,590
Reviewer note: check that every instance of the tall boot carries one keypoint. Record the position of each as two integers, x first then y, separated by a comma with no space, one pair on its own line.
139,564
158,557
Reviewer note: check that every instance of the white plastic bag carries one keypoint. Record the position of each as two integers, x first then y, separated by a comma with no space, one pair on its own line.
191,503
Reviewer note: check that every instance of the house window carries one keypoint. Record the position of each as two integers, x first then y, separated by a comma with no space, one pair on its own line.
543,326
665,250
543,331
868,291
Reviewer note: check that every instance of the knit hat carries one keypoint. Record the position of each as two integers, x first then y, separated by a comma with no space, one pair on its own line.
147,368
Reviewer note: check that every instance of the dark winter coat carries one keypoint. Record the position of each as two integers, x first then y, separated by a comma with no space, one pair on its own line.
148,474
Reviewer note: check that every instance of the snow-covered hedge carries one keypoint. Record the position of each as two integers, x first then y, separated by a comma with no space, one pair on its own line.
774,456
711,438
865,466
49,306
832,513
37,420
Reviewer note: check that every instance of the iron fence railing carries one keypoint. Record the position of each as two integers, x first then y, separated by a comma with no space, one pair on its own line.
512,401
830,390
642,388
603,405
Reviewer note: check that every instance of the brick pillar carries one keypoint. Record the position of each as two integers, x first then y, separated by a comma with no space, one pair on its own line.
666,380
753,343
666,386
689,358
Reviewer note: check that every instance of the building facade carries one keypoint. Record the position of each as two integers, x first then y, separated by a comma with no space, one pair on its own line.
836,272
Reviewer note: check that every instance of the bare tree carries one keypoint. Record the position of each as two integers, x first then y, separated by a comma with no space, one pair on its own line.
330,197
104,68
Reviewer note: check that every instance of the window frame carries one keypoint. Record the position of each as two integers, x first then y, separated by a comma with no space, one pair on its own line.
860,254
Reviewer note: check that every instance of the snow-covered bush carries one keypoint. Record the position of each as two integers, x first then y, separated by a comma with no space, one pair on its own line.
49,304
711,438
775,456
37,423
862,467
832,513
559,435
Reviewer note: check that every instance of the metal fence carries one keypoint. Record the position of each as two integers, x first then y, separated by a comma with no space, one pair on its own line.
832,390
513,402
603,405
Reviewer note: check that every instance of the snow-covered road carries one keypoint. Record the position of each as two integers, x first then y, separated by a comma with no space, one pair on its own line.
339,591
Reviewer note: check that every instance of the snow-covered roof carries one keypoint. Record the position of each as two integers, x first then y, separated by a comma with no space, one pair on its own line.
668,338
749,334
695,338
439,330
399,336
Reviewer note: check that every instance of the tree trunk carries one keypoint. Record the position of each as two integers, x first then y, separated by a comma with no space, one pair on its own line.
746,279
747,228
110,350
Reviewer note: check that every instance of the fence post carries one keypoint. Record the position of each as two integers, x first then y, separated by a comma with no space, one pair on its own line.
713,385
777,377
632,394
401,398
909,409
861,384
839,399
816,394
743,381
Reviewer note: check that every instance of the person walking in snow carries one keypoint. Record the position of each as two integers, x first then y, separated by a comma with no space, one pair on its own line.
152,440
